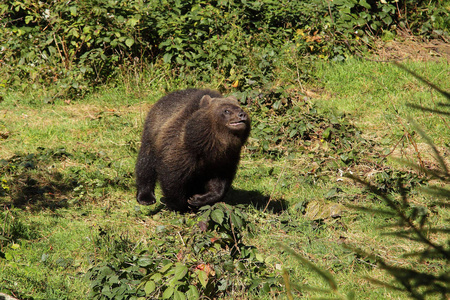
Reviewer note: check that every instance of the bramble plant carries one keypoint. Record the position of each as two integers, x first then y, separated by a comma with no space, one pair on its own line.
73,47
211,261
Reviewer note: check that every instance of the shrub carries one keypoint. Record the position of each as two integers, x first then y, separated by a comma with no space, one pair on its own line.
211,261
83,43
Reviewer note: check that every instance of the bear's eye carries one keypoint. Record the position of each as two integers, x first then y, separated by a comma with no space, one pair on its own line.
227,112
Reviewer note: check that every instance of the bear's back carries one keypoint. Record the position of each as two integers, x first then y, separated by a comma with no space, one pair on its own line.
167,118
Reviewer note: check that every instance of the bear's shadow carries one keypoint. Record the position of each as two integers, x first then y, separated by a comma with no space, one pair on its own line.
256,199
240,197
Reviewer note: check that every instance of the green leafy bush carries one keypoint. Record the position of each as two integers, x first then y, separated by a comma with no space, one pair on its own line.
284,123
209,261
72,45
377,16
82,43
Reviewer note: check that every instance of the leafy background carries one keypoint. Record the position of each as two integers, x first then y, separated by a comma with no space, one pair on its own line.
77,45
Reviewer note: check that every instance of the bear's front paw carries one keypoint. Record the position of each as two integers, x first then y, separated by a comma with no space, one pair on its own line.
195,200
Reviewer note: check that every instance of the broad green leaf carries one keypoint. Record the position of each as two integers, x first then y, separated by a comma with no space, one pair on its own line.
192,293
326,133
236,220
217,216
87,29
144,261
179,60
133,21
266,288
73,10
113,279
259,257
180,271
150,286
156,277
167,57
240,266
28,19
203,278
364,4
177,295
129,42
168,292
277,104
166,267
293,133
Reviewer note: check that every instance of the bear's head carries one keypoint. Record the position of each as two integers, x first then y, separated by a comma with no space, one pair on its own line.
227,115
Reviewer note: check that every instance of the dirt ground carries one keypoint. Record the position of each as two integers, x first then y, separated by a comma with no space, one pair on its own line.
413,48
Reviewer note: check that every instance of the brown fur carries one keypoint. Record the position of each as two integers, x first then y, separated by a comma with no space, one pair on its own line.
191,144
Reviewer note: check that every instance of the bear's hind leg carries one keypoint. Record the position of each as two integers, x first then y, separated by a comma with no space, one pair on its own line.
145,181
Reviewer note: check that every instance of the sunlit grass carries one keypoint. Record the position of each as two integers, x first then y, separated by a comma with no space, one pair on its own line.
54,245
376,95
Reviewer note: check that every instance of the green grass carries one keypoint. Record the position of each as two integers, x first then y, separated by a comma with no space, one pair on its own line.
79,209
377,95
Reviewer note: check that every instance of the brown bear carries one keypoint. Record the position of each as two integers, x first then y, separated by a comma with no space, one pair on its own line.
191,144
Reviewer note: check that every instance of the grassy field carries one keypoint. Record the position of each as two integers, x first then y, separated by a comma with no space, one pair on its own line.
68,192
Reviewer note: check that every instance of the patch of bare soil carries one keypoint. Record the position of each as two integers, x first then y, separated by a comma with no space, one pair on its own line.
413,48
421,154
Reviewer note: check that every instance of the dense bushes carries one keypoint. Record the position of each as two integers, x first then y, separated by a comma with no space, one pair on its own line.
73,45
78,44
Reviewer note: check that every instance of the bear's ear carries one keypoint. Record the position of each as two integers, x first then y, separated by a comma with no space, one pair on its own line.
233,98
205,101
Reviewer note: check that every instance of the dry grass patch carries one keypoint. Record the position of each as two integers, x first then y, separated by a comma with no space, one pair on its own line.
409,47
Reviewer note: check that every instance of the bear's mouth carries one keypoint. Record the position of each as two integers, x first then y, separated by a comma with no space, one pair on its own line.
237,124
